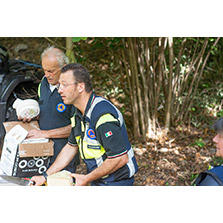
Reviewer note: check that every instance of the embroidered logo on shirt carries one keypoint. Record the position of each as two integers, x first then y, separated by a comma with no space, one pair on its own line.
91,134
61,107
93,147
107,134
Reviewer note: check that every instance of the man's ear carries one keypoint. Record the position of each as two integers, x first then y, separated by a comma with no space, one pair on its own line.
81,87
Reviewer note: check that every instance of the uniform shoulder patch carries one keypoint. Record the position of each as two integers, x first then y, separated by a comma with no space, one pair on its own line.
61,107
108,134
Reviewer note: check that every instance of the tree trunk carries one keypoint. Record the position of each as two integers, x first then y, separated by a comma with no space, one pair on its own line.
200,75
189,94
131,80
159,79
169,98
69,50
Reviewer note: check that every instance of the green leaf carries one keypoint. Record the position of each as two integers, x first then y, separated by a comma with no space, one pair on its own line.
198,142
77,39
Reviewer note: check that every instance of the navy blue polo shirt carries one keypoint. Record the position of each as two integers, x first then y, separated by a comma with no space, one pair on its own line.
113,145
55,114
107,127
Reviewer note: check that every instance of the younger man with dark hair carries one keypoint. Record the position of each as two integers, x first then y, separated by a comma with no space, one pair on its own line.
98,131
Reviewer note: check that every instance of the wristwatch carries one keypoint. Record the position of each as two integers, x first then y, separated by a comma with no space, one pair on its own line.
45,175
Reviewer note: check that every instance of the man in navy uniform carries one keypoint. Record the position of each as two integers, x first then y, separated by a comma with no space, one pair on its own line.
54,117
98,132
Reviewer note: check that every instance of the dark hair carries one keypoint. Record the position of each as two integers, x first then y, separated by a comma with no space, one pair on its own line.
80,73
218,125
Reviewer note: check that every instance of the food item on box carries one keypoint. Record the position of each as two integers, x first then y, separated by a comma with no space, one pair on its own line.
28,108
62,178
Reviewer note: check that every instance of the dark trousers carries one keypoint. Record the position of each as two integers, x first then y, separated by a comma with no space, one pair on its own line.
124,182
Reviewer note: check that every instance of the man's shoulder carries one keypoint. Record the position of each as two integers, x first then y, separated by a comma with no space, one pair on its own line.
103,106
44,82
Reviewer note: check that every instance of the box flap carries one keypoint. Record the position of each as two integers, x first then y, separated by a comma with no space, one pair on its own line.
31,149
36,149
27,126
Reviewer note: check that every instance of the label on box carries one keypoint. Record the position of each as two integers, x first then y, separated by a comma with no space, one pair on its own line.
16,135
12,139
30,166
8,157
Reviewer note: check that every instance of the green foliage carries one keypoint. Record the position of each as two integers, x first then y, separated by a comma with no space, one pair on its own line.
216,161
77,39
115,43
220,114
207,104
193,178
102,56
192,109
199,142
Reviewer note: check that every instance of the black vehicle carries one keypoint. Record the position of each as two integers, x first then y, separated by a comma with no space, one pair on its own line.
18,79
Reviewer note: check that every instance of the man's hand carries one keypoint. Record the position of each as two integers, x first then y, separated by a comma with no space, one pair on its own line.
62,132
80,179
36,133
27,119
39,180
107,167
24,119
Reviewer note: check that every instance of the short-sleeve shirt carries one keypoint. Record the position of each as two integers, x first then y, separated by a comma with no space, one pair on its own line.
108,134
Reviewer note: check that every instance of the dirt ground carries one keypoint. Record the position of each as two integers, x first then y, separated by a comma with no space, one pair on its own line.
173,160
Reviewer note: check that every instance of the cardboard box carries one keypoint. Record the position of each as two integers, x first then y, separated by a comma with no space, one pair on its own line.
24,160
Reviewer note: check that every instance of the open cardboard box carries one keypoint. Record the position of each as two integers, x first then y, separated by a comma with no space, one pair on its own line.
25,160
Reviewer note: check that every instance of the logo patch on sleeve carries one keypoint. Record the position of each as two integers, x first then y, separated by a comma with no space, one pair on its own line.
61,107
109,133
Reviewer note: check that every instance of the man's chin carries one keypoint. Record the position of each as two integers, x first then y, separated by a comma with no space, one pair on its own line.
66,102
52,82
217,154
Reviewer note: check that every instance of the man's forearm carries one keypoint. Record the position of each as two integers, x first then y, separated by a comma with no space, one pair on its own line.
63,159
62,132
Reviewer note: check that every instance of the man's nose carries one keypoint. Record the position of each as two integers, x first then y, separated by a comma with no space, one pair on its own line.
47,74
215,139
59,89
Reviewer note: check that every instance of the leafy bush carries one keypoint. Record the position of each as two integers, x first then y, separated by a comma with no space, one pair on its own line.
199,142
